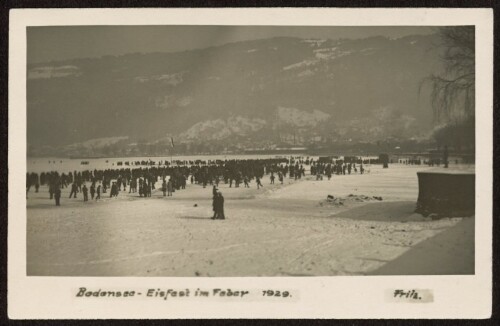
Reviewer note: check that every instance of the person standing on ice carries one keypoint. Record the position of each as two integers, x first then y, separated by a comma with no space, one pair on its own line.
272,178
145,187
114,190
98,196
85,193
51,189
141,187
149,188
259,184
214,203
57,195
74,190
164,187
169,188
92,190
219,207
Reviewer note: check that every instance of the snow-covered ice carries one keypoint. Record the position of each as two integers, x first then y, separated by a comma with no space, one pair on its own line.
278,230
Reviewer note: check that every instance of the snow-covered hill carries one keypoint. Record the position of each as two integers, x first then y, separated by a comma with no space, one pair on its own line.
246,89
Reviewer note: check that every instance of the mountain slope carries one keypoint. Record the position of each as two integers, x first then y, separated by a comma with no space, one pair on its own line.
269,87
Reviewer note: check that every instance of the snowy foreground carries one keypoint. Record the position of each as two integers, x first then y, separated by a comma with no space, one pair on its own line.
278,230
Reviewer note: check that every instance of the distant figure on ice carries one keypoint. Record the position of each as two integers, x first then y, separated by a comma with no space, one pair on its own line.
257,180
170,188
85,192
214,202
57,195
133,186
74,190
164,187
98,196
141,187
92,190
218,206
272,178
51,189
114,190
147,188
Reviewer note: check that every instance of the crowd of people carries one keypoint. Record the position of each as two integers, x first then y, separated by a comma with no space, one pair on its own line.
338,167
142,180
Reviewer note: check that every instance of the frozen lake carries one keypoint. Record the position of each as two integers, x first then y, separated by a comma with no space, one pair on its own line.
277,230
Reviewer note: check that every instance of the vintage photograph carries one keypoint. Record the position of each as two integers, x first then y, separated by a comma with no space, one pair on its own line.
250,151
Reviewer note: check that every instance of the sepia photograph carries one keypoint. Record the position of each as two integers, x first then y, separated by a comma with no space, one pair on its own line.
250,163
218,151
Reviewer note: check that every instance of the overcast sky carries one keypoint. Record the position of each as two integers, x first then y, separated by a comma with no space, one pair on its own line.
69,42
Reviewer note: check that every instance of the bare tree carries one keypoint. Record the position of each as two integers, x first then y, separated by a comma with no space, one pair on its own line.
453,90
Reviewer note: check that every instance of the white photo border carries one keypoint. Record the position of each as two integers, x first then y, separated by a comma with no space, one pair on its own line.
357,297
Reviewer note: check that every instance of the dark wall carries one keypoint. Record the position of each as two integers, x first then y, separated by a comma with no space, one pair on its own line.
446,194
